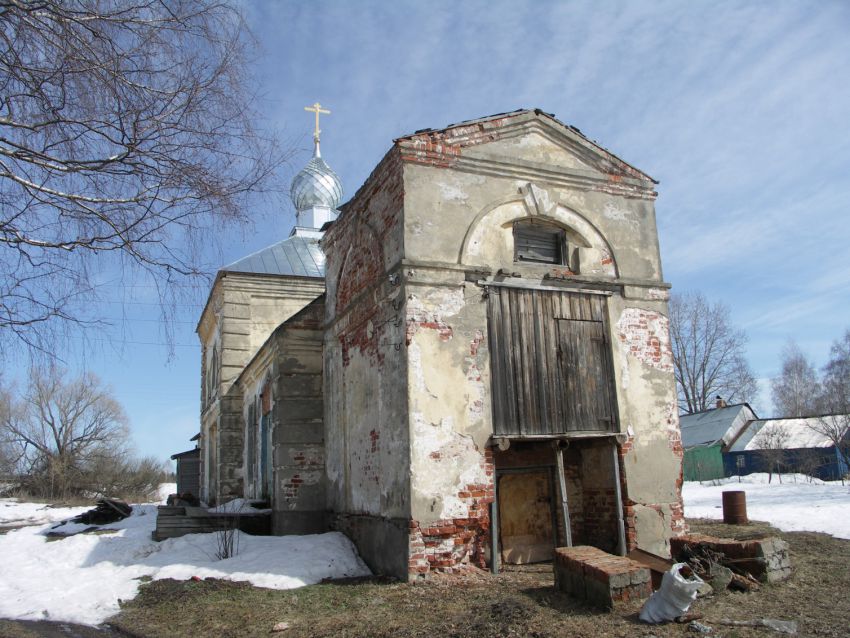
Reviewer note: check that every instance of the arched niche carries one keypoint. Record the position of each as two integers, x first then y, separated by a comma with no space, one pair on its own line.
489,240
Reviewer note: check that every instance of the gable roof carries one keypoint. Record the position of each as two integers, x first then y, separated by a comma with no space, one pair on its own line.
797,433
499,120
718,424
295,256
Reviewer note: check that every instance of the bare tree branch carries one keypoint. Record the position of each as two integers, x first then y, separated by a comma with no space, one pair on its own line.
796,390
126,133
708,354
60,427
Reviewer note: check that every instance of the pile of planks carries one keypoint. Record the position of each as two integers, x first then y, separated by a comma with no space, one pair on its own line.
106,511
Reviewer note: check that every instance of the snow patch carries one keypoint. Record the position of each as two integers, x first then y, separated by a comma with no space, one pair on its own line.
798,504
81,578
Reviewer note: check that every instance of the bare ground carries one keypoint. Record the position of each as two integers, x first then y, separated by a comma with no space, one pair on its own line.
518,602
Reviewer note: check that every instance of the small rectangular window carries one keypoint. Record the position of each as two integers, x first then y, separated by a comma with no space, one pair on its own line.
539,243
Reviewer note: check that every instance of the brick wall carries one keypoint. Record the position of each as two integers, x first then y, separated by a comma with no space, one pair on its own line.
454,544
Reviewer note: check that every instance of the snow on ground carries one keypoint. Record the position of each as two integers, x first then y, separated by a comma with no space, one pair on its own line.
166,490
13,513
797,504
237,505
81,578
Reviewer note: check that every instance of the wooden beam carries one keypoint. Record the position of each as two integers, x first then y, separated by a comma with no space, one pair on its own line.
562,488
621,528
494,528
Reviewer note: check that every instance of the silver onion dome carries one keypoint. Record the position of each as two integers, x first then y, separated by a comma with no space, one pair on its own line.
316,185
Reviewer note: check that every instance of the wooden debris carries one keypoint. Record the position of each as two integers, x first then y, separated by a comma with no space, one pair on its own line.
107,511
743,583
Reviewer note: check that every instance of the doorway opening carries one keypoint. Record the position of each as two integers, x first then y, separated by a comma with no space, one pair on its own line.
533,514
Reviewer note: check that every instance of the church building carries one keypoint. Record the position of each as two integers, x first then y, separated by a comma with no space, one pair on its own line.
467,361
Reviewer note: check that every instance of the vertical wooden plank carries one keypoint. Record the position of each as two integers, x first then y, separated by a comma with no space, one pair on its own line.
569,372
509,363
597,389
608,367
566,311
529,369
575,307
556,374
584,302
550,362
518,360
597,307
540,358
496,347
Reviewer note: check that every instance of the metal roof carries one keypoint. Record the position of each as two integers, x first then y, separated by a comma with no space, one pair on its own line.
713,425
296,256
795,433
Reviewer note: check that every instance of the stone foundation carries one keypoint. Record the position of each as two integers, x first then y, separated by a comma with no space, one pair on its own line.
600,578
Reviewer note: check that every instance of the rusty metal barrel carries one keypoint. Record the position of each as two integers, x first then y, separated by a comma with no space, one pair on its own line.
735,507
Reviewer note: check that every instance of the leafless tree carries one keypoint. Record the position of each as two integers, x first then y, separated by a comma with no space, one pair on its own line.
835,388
808,461
708,354
7,453
836,429
834,399
772,442
64,430
126,137
796,390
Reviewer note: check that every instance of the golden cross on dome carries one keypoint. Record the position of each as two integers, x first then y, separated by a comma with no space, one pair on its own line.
317,108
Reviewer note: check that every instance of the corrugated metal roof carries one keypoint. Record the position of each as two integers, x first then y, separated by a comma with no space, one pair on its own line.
296,256
797,433
713,425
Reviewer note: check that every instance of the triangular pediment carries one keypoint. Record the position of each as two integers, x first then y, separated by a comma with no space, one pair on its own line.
532,147
529,137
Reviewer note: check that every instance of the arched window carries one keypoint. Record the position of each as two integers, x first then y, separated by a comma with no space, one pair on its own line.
539,242
212,375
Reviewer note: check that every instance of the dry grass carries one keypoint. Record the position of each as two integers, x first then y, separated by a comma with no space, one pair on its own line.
518,602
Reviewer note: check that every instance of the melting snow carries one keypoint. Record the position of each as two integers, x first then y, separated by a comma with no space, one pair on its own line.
81,578
797,504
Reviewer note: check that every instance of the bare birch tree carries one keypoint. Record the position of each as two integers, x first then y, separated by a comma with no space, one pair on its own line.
834,399
772,442
126,136
708,354
836,429
796,390
835,390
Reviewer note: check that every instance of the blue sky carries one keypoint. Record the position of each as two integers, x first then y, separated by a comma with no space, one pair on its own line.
739,109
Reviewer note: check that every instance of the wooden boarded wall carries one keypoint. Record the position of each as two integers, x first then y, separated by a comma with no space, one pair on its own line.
551,362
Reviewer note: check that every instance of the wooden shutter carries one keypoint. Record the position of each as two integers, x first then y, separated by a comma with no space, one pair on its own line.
550,363
541,243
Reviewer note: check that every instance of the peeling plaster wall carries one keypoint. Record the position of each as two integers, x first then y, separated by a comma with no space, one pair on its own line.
463,189
406,366
651,458
367,440
451,466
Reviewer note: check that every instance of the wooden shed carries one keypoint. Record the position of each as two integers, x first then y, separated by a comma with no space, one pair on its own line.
188,472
